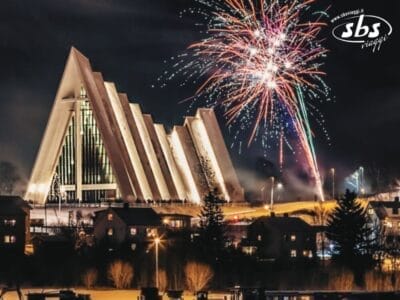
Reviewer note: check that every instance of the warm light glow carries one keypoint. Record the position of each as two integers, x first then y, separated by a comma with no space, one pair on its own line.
205,148
172,166
130,144
181,160
150,152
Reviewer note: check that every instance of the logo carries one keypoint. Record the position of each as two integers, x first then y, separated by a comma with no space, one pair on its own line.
356,27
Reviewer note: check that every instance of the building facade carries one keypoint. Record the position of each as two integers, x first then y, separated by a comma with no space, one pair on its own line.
98,146
384,219
280,238
14,224
135,226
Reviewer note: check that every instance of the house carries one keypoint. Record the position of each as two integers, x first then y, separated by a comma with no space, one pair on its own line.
282,238
119,225
384,217
14,224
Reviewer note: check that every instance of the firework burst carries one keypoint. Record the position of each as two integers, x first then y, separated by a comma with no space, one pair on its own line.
261,63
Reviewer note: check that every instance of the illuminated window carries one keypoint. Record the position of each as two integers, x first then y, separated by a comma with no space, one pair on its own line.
370,211
82,94
398,224
133,246
174,223
293,253
389,224
249,250
307,253
110,232
293,237
110,217
10,239
259,237
10,222
133,231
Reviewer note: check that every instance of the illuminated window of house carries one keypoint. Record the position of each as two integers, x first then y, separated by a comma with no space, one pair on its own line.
389,224
110,231
370,211
176,223
133,246
9,239
293,237
293,253
110,217
133,231
398,224
10,222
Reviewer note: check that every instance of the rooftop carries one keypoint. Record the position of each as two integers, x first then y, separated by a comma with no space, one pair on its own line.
13,205
136,216
284,223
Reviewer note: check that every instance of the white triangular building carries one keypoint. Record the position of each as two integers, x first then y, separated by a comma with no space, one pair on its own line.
99,147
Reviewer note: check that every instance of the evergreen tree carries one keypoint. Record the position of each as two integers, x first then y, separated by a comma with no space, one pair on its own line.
353,240
212,232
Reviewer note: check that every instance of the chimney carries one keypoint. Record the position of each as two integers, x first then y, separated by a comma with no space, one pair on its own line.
126,205
286,215
272,214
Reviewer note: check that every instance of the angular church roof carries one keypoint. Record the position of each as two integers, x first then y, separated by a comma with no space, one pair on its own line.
103,130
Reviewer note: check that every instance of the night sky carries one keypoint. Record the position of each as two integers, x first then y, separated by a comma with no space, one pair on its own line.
129,42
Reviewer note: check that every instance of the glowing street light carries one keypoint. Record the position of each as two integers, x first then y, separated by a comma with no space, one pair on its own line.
279,187
156,243
272,192
333,182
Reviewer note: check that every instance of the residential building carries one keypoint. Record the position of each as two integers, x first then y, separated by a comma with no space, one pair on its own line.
284,238
14,224
116,226
384,217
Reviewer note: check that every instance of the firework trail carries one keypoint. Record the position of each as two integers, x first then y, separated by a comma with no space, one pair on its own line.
261,63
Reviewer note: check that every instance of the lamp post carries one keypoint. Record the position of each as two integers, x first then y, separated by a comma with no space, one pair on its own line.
279,187
272,191
156,242
333,182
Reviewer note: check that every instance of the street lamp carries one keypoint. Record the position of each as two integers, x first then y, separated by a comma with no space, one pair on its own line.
272,192
156,243
333,182
279,187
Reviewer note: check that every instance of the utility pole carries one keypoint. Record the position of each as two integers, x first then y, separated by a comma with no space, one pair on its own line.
156,242
272,192
333,182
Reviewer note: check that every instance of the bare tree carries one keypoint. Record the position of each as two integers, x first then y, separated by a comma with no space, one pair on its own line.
162,280
120,274
341,280
197,275
89,278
